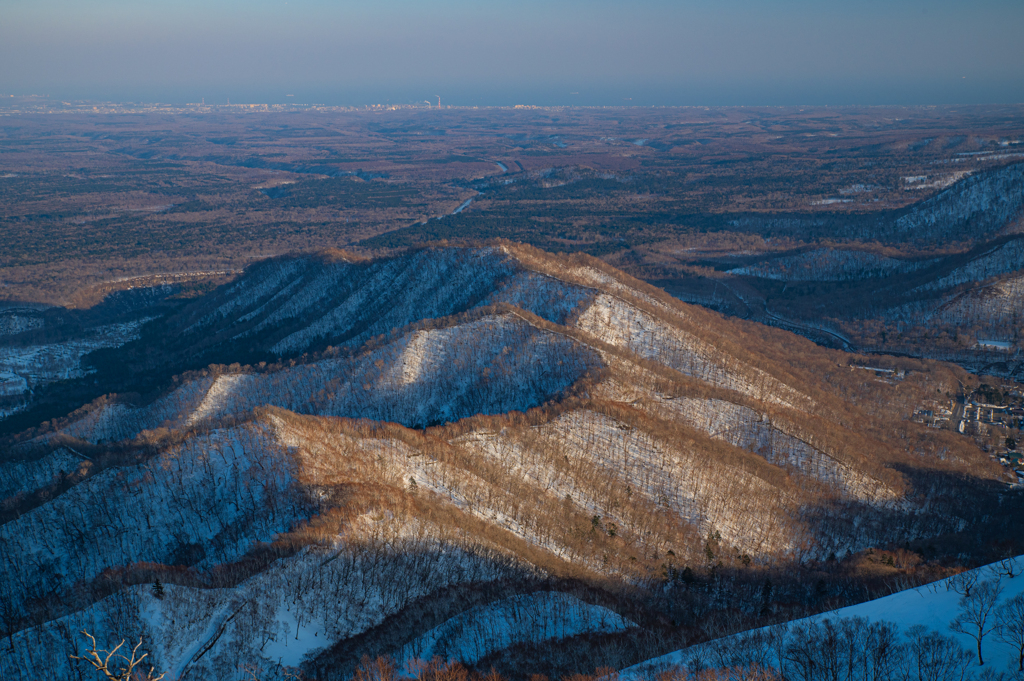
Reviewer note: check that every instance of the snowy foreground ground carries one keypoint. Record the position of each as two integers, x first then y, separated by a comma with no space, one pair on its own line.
934,606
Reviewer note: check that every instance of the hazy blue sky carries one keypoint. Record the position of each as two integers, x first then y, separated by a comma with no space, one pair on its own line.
517,51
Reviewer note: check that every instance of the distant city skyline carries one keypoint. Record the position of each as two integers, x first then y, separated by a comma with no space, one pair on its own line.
566,52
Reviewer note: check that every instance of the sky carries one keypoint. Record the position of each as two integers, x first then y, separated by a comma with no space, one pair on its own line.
487,53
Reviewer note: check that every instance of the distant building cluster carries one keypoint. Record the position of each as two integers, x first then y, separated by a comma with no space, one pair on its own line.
38,104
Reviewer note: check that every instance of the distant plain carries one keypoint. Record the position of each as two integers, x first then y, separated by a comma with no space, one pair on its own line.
756,212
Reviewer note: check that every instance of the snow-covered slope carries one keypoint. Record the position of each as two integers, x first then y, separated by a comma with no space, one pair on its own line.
202,503
288,305
491,365
975,208
498,445
831,264
26,367
483,630
17,320
621,324
932,607
981,204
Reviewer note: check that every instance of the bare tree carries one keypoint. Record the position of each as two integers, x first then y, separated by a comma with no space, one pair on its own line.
1010,566
1010,626
931,656
882,650
380,669
963,582
975,618
116,666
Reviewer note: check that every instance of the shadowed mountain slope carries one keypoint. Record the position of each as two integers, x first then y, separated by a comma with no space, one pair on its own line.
937,279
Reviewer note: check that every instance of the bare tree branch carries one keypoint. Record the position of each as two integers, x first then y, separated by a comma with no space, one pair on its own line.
120,672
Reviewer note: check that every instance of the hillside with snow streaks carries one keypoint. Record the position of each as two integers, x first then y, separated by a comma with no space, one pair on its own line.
19,477
492,365
745,428
909,282
540,294
710,498
991,309
427,286
475,452
616,322
975,208
288,306
18,320
271,620
120,421
832,264
23,368
988,307
982,204
264,279
483,630
202,503
1005,258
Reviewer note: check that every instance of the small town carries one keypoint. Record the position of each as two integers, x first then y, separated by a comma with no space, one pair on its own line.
991,415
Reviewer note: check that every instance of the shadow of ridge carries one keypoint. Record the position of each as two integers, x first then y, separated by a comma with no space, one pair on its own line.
583,653
955,518
166,348
339,662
